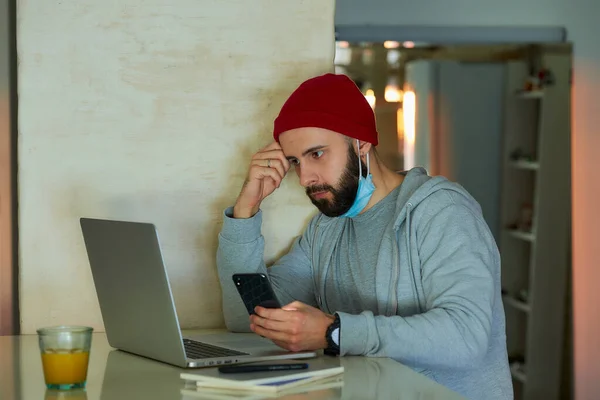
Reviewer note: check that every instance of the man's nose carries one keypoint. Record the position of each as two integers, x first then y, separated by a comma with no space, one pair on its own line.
307,176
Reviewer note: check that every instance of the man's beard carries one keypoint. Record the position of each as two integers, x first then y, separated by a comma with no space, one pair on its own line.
344,194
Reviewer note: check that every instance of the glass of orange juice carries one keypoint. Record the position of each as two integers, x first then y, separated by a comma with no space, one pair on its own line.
65,355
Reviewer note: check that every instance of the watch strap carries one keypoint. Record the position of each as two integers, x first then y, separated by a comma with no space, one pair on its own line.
332,348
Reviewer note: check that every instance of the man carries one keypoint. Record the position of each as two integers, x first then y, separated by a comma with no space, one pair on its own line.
394,265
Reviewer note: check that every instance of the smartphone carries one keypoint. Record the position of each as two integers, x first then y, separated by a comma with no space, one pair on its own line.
255,290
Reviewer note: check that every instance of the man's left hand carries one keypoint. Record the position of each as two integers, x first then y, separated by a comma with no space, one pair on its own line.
295,327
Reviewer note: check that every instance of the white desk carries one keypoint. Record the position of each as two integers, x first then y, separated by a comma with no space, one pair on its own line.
115,375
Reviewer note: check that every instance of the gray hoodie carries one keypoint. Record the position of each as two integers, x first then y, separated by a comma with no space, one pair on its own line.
437,285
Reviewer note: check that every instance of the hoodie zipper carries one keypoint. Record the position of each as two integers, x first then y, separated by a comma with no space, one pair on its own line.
410,260
319,276
315,264
396,277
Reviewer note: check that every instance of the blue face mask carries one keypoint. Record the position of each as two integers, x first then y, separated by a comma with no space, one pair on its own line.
364,192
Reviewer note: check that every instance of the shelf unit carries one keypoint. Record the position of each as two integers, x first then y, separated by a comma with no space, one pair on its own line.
532,94
535,215
517,374
512,301
522,164
522,234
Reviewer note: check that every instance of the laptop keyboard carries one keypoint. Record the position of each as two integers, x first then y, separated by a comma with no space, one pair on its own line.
197,350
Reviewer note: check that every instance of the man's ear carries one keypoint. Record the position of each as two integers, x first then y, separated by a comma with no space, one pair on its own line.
364,148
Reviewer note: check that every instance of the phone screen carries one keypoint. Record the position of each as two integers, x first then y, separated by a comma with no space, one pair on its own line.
255,290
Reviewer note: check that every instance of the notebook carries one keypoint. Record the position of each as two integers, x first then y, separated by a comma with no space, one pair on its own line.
329,386
266,382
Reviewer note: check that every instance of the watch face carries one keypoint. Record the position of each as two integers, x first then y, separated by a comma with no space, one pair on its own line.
335,336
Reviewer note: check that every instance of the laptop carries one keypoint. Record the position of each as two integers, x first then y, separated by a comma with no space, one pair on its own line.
137,307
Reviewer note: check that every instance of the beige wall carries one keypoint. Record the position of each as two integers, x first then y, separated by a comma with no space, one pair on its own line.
149,112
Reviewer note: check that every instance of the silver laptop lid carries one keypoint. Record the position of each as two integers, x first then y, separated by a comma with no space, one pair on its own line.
133,289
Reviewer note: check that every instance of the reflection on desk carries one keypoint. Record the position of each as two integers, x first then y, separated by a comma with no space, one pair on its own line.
115,375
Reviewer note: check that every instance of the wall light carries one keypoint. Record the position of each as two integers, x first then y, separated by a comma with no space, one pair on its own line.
393,93
390,44
367,56
409,106
400,129
393,58
370,96
342,55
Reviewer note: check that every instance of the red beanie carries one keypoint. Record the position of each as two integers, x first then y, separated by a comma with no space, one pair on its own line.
331,102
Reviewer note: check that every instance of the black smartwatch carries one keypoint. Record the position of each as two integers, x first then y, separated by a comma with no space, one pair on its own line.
332,335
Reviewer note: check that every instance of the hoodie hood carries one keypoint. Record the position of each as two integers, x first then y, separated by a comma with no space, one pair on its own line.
420,186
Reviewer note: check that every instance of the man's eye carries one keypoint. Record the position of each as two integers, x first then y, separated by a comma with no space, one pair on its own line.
317,154
294,161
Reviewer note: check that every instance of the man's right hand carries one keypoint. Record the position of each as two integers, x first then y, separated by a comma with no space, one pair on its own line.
267,169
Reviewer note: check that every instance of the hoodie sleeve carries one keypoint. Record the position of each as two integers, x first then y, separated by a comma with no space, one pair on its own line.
241,250
458,261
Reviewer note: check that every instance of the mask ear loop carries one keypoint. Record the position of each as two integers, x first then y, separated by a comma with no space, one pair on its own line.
359,163
368,166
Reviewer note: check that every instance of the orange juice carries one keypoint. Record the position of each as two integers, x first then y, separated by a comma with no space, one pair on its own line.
63,368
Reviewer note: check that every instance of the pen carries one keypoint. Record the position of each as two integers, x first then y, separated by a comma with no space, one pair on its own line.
232,369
